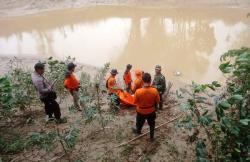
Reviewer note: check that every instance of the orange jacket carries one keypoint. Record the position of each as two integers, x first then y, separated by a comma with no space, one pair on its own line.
145,99
71,83
138,81
111,83
137,84
127,78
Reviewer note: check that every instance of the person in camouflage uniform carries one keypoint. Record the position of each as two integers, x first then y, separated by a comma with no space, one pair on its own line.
159,83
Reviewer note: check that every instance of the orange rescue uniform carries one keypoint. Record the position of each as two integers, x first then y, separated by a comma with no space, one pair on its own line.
145,99
137,84
138,81
111,83
71,83
127,78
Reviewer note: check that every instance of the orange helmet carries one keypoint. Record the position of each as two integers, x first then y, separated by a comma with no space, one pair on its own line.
138,72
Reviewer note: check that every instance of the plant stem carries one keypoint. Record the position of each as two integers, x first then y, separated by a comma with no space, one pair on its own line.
61,142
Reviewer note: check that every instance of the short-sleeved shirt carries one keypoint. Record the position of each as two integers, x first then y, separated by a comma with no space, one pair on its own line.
71,83
145,99
127,77
111,83
137,84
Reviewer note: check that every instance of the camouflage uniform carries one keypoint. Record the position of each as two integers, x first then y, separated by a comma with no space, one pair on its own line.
159,83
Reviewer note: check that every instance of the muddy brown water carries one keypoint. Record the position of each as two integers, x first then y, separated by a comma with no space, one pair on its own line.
184,41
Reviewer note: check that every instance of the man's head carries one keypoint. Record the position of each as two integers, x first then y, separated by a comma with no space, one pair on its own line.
39,68
129,67
113,72
71,67
157,69
146,78
138,73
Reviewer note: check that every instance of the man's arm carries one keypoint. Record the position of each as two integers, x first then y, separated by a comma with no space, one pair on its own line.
163,84
135,99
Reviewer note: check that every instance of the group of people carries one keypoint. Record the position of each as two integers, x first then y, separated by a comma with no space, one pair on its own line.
48,96
147,94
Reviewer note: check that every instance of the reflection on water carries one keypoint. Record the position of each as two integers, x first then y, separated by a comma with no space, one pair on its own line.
190,41
93,43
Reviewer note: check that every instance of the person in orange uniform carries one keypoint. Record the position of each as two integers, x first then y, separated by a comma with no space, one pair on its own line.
112,87
111,82
138,81
127,78
146,98
72,85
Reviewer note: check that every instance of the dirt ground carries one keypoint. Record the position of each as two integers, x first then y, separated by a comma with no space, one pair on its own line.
93,144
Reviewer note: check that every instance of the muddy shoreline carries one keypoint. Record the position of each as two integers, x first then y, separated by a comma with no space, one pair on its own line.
26,7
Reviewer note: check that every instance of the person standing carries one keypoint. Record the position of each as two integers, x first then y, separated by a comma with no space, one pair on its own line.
146,98
72,85
159,83
138,83
112,87
46,94
127,78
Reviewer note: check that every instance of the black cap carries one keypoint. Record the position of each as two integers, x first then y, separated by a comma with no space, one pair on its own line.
114,71
39,65
71,66
129,66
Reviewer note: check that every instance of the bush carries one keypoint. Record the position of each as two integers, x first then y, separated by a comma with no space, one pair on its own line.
227,131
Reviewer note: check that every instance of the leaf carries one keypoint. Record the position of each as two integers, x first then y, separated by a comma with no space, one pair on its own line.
199,88
225,105
226,122
235,130
237,150
216,84
205,120
248,15
237,97
219,112
226,67
185,106
244,121
211,86
205,113
201,151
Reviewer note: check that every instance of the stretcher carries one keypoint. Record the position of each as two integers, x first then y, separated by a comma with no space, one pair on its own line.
126,98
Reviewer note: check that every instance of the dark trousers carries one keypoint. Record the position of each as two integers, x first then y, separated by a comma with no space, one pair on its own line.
128,88
160,104
140,119
51,107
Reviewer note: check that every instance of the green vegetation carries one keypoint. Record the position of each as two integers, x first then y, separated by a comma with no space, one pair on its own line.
93,110
217,117
224,128
17,95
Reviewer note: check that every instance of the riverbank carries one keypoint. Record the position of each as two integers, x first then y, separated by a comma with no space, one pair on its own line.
24,7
